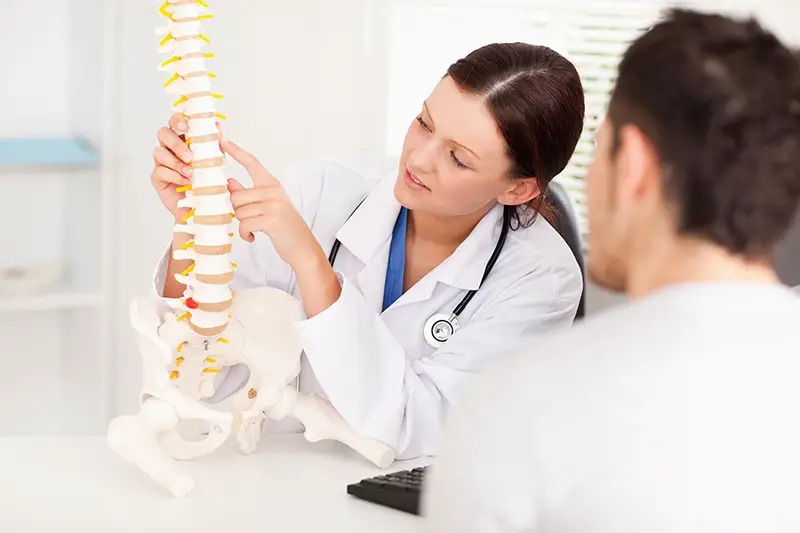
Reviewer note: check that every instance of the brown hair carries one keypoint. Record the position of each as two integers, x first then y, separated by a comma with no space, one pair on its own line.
536,98
719,98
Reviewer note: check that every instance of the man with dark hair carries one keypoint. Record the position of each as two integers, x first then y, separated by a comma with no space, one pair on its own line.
677,412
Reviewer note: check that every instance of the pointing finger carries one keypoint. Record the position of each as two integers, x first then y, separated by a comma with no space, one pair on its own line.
254,168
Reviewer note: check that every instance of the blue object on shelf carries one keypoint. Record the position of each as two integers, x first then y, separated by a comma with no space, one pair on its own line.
46,152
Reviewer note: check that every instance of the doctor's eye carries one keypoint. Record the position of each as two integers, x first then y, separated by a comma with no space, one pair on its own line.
456,162
423,123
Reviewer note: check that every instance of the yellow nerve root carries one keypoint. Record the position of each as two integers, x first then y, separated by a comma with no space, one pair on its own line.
180,346
206,39
166,39
186,245
172,59
189,215
178,362
223,117
234,265
210,360
179,101
186,272
187,314
223,341
163,11
201,3
211,370
174,374
185,187
171,80
204,17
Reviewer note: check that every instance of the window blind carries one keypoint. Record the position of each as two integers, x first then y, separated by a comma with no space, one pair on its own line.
426,36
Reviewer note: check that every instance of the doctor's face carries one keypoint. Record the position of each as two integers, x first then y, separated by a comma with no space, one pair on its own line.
454,160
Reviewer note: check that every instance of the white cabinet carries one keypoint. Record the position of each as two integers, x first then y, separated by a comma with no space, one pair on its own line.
56,207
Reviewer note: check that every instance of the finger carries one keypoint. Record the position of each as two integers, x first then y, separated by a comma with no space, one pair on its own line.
178,123
164,177
173,142
248,227
165,158
253,167
250,211
251,196
235,186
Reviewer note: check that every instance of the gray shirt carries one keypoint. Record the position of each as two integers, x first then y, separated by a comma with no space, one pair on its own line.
674,414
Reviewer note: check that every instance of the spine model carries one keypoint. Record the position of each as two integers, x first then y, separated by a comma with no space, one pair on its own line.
208,298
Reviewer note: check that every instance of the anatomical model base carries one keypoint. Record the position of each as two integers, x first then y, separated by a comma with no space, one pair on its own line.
180,367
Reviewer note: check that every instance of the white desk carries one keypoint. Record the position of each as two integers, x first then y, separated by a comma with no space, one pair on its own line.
287,485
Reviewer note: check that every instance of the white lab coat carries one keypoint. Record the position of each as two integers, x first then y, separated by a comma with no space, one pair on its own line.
375,367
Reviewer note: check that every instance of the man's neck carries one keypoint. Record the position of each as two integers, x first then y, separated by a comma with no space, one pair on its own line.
691,261
444,232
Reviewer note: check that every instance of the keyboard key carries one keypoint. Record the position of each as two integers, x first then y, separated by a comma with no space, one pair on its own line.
400,490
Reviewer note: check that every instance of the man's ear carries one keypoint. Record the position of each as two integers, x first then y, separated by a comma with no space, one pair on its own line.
521,191
637,163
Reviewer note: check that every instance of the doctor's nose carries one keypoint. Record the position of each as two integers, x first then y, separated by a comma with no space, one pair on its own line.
422,159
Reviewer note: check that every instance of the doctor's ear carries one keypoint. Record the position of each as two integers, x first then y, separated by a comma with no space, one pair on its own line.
521,191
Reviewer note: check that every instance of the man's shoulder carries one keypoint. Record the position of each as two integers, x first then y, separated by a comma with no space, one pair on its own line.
549,364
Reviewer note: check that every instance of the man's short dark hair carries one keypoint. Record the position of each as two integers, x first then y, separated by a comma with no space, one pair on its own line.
719,99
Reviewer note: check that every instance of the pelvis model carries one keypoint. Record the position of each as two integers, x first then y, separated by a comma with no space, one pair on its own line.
185,343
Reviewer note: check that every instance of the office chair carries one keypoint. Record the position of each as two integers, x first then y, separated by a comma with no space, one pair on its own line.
567,226
787,256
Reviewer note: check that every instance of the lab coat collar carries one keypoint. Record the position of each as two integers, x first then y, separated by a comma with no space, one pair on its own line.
370,227
368,232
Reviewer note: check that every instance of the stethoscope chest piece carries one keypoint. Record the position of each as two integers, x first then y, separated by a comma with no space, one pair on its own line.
440,327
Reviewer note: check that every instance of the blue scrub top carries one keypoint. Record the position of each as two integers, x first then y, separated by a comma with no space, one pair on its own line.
395,270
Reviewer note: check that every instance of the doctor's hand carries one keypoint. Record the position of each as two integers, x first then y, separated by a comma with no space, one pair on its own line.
267,208
172,165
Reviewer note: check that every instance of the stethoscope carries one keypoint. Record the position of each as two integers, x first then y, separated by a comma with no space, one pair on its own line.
441,326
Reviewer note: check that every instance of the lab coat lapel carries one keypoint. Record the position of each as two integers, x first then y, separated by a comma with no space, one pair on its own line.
367,235
464,268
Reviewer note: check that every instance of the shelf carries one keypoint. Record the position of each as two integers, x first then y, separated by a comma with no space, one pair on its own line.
63,297
37,154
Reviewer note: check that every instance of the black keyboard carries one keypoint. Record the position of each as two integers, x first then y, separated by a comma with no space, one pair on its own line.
399,490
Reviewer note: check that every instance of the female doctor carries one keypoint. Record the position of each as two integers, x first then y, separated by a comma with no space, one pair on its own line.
391,272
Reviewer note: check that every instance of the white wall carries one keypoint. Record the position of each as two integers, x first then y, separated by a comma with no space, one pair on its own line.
36,103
